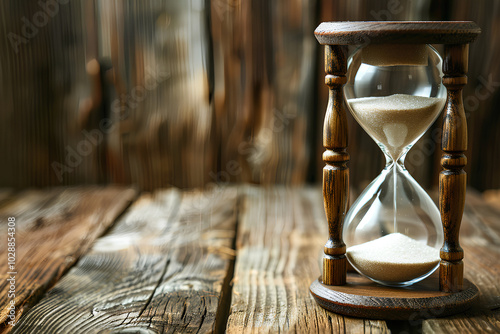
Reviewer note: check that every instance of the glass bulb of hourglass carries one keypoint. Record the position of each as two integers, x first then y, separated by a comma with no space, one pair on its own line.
393,230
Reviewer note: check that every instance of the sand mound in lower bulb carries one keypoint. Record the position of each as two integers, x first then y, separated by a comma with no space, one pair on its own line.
393,258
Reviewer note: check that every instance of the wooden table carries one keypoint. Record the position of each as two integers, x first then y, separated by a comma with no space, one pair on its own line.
235,259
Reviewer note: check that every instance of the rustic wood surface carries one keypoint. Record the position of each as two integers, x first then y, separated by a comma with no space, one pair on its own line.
167,265
143,277
53,229
279,245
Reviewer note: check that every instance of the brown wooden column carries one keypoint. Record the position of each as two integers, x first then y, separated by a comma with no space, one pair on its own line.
453,179
336,172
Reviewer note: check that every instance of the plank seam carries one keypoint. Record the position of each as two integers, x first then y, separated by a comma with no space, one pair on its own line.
224,307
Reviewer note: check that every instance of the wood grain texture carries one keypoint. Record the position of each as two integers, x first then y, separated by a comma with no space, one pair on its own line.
43,84
161,105
484,120
280,233
377,32
149,271
53,229
453,179
335,172
263,89
161,269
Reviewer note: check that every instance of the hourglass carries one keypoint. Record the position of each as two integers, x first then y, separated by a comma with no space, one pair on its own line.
395,236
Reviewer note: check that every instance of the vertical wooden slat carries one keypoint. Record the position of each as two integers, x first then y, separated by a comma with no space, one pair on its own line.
42,81
264,58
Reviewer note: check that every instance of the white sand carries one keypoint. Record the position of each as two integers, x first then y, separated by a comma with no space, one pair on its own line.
396,120
395,54
393,258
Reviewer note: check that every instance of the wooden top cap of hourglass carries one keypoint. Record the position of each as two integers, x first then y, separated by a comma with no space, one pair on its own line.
408,32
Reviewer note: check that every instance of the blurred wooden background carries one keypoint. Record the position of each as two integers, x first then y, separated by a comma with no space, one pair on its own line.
190,93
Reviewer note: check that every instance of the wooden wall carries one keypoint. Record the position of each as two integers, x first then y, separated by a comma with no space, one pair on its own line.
189,93
161,104
42,81
264,54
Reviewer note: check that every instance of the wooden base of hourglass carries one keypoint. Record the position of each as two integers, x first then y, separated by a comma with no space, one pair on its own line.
362,298
447,292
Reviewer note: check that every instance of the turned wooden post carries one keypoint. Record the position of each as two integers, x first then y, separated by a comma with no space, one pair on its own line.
452,180
335,172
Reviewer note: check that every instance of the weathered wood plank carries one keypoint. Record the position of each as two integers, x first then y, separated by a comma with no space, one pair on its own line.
53,229
143,277
162,268
280,244
480,239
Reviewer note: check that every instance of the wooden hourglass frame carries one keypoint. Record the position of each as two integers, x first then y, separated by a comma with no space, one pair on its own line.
356,296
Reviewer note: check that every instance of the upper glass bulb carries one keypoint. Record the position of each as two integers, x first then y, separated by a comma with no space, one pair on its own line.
395,93
393,231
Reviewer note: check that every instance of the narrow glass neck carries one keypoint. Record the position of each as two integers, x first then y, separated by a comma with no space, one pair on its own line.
389,161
